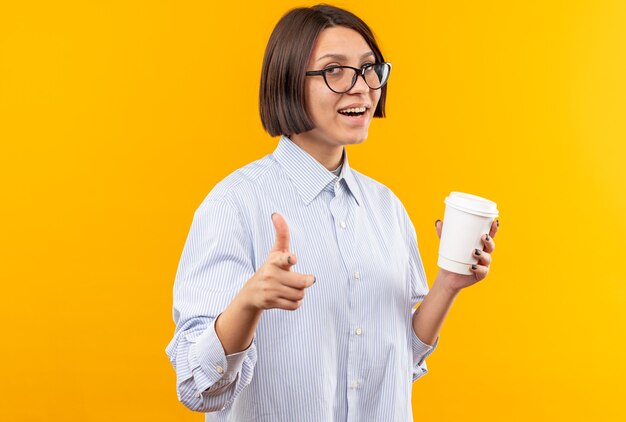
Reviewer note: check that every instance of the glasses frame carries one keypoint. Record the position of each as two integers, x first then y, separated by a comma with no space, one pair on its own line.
357,72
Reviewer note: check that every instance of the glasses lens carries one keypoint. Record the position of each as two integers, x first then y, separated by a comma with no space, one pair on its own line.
376,75
339,79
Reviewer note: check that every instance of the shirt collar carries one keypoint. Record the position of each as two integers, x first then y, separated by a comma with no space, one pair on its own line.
308,175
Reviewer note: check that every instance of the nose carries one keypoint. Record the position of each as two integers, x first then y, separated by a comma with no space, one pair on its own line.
359,86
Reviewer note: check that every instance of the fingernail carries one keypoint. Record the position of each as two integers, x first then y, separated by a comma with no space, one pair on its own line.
437,222
497,223
474,266
477,251
314,279
487,238
272,216
289,260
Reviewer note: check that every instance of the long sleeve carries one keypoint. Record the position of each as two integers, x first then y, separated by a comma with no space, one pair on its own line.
215,262
419,289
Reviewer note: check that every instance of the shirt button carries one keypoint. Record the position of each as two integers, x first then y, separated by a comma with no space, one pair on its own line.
358,331
198,394
336,185
343,224
357,275
219,369
354,385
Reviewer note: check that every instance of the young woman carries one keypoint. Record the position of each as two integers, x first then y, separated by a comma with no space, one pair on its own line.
295,292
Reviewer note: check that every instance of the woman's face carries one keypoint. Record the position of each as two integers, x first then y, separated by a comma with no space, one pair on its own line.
339,46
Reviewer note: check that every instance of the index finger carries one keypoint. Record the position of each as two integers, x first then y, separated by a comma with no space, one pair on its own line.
282,233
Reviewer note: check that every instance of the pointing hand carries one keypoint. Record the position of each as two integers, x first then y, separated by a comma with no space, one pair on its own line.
274,285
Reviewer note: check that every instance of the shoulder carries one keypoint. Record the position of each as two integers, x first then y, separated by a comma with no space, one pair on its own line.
243,184
381,197
225,210
377,191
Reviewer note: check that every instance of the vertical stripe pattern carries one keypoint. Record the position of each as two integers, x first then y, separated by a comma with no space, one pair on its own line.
349,352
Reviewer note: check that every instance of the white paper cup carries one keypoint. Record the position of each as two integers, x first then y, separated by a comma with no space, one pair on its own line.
466,219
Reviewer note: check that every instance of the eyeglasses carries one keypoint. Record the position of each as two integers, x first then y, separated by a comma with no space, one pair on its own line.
340,80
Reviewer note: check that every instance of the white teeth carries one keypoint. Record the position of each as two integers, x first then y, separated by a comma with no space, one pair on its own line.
353,110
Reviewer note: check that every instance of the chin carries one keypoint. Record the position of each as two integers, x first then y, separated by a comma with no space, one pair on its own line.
356,139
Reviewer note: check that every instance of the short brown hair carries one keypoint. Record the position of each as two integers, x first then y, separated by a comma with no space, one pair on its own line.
281,95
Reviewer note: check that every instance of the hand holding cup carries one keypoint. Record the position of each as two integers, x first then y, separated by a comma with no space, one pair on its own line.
467,239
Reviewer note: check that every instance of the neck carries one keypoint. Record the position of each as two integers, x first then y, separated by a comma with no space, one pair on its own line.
330,156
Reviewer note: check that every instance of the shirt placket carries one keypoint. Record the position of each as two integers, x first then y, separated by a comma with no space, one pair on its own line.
343,209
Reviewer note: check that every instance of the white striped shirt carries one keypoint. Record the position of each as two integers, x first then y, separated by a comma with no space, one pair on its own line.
349,353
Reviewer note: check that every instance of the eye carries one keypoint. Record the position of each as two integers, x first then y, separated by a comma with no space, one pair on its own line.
333,70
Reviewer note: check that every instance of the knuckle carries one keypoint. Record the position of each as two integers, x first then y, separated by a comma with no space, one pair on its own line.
269,276
302,283
285,259
280,259
277,258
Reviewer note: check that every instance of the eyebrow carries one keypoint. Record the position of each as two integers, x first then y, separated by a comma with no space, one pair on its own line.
342,57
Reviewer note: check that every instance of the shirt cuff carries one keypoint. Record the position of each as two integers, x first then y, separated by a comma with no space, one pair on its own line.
234,362
217,369
422,350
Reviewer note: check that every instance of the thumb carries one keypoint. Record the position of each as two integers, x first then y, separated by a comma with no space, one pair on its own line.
438,227
282,233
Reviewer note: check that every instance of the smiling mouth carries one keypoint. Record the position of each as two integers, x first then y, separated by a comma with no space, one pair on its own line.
353,111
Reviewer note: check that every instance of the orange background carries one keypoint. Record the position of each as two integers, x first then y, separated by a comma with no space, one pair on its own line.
117,118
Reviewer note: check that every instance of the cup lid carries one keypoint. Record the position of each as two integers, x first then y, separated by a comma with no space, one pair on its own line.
472,204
